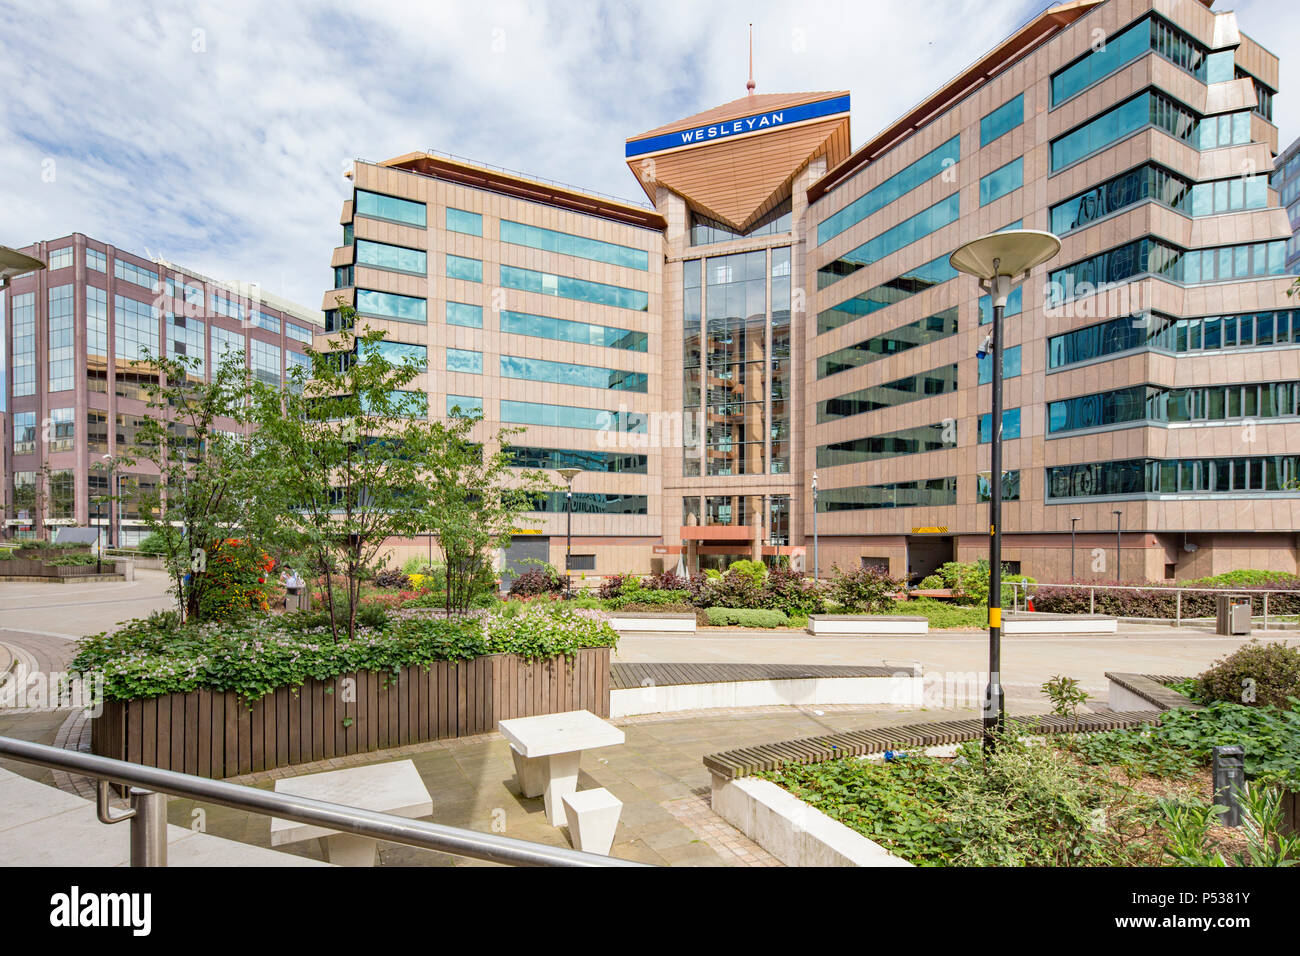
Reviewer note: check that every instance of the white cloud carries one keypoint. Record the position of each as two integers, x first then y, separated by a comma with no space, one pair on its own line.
215,135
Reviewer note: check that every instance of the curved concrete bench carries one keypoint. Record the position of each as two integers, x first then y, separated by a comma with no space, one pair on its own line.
652,622
1034,623
866,625
652,688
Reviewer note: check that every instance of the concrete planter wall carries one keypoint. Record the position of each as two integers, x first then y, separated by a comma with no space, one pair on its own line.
864,625
1027,622
214,734
652,621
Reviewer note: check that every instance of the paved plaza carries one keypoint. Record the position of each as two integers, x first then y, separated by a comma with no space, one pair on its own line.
657,773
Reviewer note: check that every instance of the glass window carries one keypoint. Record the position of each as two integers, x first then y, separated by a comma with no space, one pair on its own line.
62,351
921,332
1010,425
397,258
906,441
1002,181
1002,120
932,492
135,327
390,305
598,293
895,187
1010,365
566,416
139,275
567,373
460,313
464,406
461,267
297,332
938,381
927,276
908,231
470,223
1118,50
60,258
377,206
565,330
463,360
598,461
96,260
186,341
265,361
24,433
582,247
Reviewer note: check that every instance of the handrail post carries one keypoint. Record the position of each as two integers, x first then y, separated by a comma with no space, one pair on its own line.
1178,618
148,828
1092,600
1266,610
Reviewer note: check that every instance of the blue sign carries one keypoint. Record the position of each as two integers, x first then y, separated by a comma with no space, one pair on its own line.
755,123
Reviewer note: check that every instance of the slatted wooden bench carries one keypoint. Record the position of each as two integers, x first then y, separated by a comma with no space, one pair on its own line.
1153,689
744,761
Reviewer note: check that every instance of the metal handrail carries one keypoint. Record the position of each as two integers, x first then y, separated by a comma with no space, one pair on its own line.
1247,590
366,823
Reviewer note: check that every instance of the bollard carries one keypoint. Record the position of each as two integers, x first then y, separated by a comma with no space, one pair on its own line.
1229,770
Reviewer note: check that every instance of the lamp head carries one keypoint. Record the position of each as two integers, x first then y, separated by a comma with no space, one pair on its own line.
14,264
568,474
1012,252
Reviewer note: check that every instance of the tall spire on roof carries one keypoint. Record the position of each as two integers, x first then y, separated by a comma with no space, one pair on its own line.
751,84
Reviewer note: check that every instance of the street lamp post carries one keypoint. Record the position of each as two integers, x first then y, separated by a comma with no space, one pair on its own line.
1001,261
1119,515
816,563
1073,522
568,475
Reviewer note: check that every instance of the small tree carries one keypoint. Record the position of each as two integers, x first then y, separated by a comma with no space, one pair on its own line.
348,443
209,485
474,501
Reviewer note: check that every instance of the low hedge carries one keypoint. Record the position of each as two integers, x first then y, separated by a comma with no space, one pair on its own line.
149,657
746,617
1126,602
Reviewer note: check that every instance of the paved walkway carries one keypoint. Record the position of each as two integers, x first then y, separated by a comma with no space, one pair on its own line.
41,826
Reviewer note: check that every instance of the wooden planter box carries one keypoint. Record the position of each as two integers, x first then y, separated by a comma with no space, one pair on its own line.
214,734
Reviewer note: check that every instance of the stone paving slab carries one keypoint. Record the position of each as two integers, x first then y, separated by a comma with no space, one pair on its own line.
43,826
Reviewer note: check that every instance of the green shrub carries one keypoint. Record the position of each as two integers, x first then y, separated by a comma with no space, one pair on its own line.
969,581
932,582
152,543
863,590
942,614
746,617
754,570
1258,674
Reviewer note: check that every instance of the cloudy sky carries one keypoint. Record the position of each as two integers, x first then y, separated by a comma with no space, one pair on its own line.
215,134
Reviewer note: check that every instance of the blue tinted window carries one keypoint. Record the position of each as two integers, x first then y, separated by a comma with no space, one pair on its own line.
891,240
1002,181
464,405
1010,425
377,206
1015,305
567,416
896,186
463,360
1118,50
460,313
383,256
460,267
568,373
583,290
906,441
1002,120
564,330
470,223
937,381
537,238
904,286
1010,365
390,305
